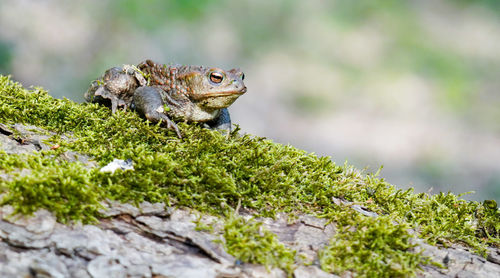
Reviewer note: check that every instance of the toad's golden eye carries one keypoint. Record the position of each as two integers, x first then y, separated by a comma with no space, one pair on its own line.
216,77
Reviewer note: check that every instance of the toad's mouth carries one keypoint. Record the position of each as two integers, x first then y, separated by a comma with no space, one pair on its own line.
222,94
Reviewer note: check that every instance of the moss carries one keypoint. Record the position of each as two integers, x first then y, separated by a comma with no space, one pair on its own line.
374,244
249,242
57,185
489,222
439,218
211,173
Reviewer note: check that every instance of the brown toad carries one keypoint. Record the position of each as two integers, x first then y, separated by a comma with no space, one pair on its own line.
167,93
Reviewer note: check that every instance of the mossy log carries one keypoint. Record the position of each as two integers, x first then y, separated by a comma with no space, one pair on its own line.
210,205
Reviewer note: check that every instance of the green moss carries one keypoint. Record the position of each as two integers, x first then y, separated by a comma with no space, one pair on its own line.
373,244
439,218
211,173
489,222
57,185
249,242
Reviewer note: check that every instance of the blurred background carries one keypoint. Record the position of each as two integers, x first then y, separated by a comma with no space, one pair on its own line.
410,85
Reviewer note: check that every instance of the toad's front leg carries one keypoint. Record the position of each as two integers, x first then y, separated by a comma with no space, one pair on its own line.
222,122
148,102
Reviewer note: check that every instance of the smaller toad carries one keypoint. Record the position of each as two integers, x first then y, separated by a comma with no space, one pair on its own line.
169,93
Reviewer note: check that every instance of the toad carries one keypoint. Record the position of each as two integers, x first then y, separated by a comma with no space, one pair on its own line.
170,93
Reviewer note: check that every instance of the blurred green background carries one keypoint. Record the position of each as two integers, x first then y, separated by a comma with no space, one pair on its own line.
410,85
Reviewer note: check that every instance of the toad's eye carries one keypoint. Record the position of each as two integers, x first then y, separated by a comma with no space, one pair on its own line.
216,77
242,76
